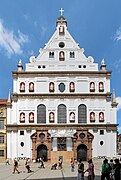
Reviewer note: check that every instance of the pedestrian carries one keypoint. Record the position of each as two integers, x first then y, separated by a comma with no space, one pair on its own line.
117,167
91,174
54,166
7,161
112,169
27,165
15,166
80,170
60,163
105,170
42,163
72,165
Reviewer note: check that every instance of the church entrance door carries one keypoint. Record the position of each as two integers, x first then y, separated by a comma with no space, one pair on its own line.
82,152
42,152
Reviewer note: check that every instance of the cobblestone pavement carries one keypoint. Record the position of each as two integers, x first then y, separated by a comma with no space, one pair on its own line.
46,173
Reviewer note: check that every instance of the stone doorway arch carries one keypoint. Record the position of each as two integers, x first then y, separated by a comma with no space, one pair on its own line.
82,152
42,152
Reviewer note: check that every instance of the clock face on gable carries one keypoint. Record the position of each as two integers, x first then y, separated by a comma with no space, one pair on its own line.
61,87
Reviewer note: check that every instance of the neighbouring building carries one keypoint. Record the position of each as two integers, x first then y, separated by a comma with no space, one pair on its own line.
3,134
61,104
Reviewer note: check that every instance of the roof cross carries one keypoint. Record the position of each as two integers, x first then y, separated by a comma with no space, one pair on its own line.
61,11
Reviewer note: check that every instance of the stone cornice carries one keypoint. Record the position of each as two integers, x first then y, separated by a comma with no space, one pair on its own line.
38,127
63,96
25,74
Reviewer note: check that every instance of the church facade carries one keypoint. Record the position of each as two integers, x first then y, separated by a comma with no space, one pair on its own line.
61,105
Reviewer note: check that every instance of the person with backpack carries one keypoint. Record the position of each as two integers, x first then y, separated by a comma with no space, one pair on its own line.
105,170
80,170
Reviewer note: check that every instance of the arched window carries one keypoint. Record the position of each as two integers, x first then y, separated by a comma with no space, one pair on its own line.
101,87
41,114
61,56
51,87
92,117
51,117
72,87
31,117
72,55
61,30
22,87
101,117
51,54
31,87
72,117
62,114
22,117
92,87
82,114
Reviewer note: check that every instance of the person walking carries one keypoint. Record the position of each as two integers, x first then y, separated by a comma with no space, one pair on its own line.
15,166
105,170
117,167
91,174
72,165
80,170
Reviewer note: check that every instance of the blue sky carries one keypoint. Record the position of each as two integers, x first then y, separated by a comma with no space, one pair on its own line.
26,25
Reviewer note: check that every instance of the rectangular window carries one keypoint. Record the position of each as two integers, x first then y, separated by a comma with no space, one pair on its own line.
1,124
61,143
1,153
101,132
1,139
21,132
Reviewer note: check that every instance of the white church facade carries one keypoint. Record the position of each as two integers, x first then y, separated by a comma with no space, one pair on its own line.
61,104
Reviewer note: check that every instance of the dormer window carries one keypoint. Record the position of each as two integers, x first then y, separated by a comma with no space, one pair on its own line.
51,54
92,87
51,87
22,117
92,117
101,87
101,117
72,55
61,30
22,87
31,87
61,56
72,87
31,117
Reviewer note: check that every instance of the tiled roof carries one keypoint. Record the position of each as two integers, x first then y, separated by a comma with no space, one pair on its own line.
3,101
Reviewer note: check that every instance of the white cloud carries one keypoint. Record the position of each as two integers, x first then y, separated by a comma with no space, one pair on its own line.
118,100
10,42
117,36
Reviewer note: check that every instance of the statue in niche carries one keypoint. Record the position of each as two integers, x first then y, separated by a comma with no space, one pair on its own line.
101,88
61,55
31,117
31,87
51,87
22,117
72,88
72,116
61,30
92,116
101,116
92,86
51,116
22,87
